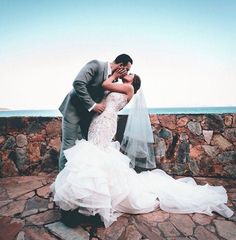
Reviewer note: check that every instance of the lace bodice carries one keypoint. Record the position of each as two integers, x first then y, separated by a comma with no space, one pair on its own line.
115,102
103,126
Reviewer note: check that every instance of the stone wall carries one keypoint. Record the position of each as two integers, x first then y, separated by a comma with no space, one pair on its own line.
29,145
194,145
191,145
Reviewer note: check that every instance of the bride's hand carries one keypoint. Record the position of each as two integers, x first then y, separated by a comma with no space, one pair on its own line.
119,73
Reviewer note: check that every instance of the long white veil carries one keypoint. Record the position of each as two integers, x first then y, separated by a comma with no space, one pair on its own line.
138,139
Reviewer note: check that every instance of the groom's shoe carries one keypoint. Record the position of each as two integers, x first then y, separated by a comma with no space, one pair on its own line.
96,220
73,218
90,220
69,218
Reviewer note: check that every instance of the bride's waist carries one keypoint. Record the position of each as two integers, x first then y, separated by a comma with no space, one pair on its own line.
106,115
109,112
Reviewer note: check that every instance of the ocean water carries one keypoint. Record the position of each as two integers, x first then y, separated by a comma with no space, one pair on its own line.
187,110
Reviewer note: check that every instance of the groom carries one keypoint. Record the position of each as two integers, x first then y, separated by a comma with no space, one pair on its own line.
80,105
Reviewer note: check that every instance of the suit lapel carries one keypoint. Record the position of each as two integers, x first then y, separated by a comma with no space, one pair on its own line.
105,70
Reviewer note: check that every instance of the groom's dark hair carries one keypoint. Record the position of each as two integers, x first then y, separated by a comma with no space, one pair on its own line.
123,58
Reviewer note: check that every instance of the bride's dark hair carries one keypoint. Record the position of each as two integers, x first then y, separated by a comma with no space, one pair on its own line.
136,83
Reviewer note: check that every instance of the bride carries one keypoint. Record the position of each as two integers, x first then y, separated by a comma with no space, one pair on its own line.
98,179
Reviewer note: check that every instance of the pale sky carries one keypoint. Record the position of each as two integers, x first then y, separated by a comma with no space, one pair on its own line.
183,50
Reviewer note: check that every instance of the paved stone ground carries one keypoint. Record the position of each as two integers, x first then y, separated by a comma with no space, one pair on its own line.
27,212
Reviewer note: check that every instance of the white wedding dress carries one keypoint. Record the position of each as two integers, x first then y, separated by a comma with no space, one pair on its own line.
97,179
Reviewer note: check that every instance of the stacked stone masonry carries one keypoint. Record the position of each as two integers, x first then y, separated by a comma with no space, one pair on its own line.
189,145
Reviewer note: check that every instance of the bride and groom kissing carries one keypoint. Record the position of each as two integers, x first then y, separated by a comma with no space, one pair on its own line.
85,99
96,178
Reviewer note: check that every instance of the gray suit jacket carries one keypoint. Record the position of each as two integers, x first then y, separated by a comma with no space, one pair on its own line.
87,90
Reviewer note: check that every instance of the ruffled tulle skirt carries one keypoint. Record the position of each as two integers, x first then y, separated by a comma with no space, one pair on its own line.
100,181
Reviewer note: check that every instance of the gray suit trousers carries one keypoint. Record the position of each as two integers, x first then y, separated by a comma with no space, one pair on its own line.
70,133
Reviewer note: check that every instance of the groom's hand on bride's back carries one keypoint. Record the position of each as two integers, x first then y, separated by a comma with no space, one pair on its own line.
99,107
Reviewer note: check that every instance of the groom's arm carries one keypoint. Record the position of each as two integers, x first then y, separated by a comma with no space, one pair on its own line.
80,83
